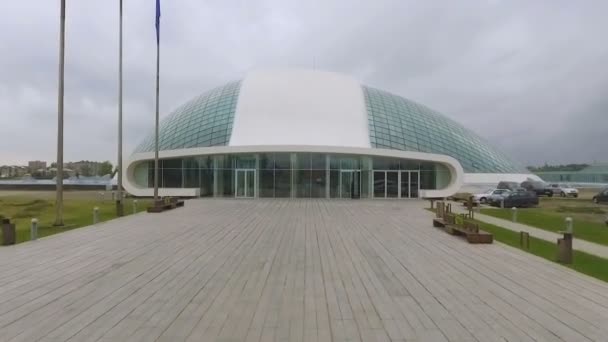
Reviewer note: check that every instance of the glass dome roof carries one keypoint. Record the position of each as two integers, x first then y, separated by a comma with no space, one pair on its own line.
394,123
201,122
400,124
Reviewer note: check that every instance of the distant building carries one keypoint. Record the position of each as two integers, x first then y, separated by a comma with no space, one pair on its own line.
36,166
12,171
84,167
595,173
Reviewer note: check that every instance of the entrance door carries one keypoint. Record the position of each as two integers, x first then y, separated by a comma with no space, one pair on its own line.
386,184
379,184
245,183
405,184
410,184
414,184
392,184
350,184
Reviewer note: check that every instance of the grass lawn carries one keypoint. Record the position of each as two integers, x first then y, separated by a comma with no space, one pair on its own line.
588,218
588,264
582,262
22,206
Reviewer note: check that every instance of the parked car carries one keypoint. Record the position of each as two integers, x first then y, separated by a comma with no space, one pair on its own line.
518,198
563,190
539,188
482,197
601,197
507,185
497,195
488,195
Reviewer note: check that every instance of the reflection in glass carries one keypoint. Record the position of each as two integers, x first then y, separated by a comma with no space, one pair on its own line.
334,184
347,184
318,184
379,184
282,161
405,184
250,183
303,183
282,183
240,183
414,180
392,184
317,161
206,182
274,176
266,183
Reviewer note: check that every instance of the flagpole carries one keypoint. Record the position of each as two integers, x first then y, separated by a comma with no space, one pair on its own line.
119,202
59,166
157,110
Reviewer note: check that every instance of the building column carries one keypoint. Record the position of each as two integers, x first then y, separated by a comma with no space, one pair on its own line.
215,177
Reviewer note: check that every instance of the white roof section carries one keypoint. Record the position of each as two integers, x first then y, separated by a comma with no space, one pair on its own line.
300,107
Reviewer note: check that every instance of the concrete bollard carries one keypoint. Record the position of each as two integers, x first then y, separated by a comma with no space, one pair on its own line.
514,218
95,215
569,225
102,196
34,229
134,206
113,196
564,249
502,203
9,233
524,240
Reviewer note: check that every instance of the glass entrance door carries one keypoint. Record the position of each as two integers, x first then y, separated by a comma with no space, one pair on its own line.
350,184
392,184
405,184
245,183
410,184
414,184
379,184
386,184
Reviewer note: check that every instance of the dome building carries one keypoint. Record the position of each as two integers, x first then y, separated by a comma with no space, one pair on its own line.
311,134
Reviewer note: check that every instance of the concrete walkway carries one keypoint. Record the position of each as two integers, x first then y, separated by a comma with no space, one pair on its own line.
578,244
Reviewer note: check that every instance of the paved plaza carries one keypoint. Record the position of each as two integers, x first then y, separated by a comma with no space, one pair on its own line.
289,270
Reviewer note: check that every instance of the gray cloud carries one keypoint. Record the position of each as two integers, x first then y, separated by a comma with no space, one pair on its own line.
529,76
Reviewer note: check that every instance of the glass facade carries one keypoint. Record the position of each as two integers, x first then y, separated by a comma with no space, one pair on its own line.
393,122
400,124
202,122
297,175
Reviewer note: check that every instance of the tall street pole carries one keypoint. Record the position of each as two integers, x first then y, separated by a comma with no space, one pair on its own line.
59,178
119,202
157,91
156,126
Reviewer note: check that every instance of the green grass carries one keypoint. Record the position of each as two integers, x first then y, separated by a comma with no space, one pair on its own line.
588,264
585,263
78,212
554,220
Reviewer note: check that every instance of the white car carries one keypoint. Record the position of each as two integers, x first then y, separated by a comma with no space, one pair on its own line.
490,196
563,190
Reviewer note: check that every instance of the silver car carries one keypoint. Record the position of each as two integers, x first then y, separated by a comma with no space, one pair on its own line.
497,195
564,190
490,196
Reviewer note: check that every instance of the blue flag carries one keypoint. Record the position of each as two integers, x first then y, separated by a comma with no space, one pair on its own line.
157,22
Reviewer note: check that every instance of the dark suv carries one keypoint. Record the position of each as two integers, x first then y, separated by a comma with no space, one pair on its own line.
601,197
508,185
518,198
539,188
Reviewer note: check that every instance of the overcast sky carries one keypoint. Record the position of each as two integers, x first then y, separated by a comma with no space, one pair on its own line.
530,76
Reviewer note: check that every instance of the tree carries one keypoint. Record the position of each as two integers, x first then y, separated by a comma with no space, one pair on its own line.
85,170
105,168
